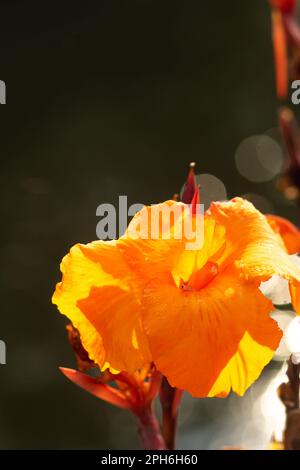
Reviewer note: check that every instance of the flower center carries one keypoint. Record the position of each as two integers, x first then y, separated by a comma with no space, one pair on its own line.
200,278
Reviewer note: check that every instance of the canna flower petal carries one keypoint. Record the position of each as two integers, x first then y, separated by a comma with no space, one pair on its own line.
295,297
86,269
79,273
158,247
289,233
255,248
200,341
115,314
247,363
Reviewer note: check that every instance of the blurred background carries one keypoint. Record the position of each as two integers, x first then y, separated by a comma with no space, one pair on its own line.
109,98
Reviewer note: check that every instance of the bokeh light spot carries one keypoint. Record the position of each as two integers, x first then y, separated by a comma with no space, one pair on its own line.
259,158
211,189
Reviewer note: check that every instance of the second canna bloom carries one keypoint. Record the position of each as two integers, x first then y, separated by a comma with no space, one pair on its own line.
197,314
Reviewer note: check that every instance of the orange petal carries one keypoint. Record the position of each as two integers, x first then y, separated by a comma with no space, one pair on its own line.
151,257
256,249
289,233
193,339
100,294
79,274
160,244
245,365
188,261
158,222
295,297
115,314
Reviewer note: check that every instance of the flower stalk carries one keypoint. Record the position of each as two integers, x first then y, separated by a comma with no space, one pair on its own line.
149,429
170,398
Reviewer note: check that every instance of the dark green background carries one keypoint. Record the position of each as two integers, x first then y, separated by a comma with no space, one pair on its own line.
104,98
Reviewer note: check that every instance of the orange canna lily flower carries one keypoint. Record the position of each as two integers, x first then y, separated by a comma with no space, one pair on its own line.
197,314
